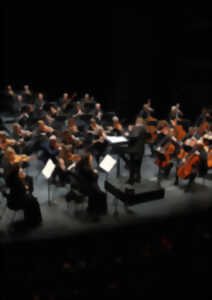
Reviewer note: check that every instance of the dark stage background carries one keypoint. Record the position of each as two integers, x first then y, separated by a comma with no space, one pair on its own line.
122,55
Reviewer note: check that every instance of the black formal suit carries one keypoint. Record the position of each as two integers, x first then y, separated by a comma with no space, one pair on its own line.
133,154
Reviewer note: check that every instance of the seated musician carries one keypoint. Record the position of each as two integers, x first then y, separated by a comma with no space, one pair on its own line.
72,126
51,149
5,141
65,159
92,130
10,159
190,166
99,144
116,129
21,136
63,99
18,104
20,196
167,149
88,182
9,91
39,103
70,139
77,110
98,113
87,103
161,131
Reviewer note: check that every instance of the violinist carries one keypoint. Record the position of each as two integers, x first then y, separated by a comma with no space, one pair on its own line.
72,126
88,184
78,110
65,159
20,196
5,141
39,103
51,149
116,129
98,113
10,159
70,139
87,103
92,130
99,144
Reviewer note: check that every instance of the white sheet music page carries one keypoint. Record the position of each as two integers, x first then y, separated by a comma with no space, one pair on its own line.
107,163
116,139
48,169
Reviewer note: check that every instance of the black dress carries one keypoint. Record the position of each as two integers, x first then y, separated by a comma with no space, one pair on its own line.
88,180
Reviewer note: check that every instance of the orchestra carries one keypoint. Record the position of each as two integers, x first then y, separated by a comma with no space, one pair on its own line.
72,131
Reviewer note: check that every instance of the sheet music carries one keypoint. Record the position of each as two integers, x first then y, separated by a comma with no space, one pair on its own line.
116,139
48,169
107,163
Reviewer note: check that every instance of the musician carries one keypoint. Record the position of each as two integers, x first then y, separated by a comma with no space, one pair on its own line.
190,166
99,144
77,110
88,181
27,94
65,158
9,91
20,196
51,149
98,113
63,100
133,154
175,113
18,104
116,129
39,103
146,111
10,159
87,103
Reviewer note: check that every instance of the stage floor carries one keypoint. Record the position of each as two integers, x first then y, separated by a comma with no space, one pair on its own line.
59,221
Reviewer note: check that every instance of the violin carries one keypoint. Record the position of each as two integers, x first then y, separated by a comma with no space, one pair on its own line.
65,105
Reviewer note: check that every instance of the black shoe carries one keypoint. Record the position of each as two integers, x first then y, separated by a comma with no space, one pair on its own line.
130,181
138,179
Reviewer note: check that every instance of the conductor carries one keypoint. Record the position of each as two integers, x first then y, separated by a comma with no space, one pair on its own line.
134,152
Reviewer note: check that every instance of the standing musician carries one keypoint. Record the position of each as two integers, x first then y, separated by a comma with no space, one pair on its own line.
175,113
146,111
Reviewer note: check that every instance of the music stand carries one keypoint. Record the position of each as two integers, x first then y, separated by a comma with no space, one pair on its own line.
106,166
47,173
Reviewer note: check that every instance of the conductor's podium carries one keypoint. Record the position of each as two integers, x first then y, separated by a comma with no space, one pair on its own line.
130,195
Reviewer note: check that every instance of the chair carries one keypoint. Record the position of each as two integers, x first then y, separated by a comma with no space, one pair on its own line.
76,195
